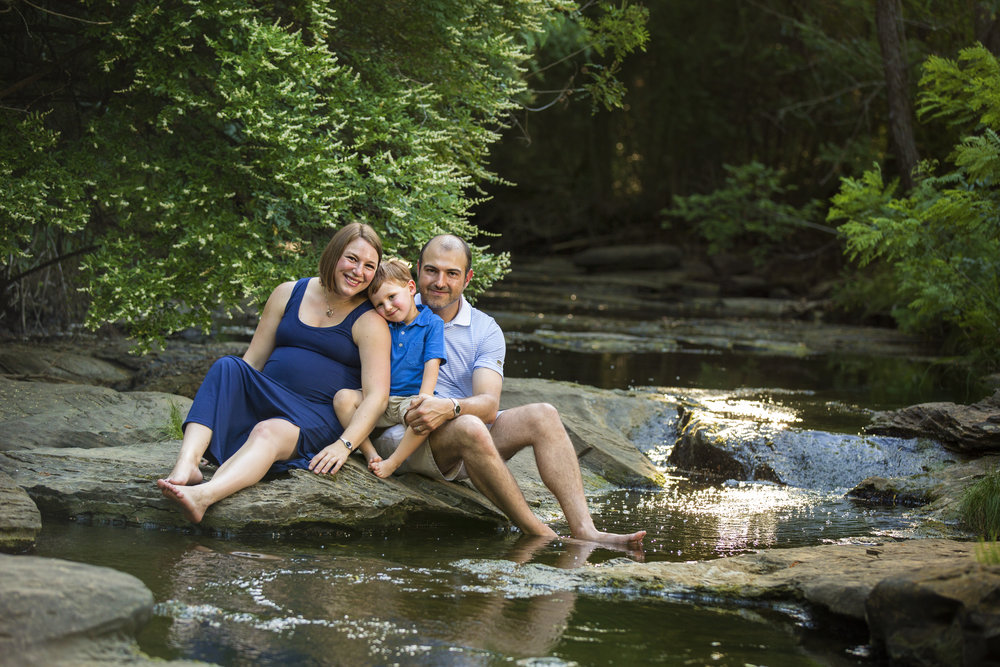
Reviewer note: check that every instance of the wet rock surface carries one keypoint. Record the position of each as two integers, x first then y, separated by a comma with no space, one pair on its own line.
104,471
55,612
970,429
21,521
937,615
92,453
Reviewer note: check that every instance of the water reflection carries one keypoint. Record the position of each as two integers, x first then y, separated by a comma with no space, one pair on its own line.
877,383
415,598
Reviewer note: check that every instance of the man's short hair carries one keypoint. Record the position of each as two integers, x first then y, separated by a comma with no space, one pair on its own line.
450,242
392,270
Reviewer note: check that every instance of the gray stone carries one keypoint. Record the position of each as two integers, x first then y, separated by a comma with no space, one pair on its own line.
945,615
972,429
722,438
59,612
20,520
117,483
600,423
44,414
60,363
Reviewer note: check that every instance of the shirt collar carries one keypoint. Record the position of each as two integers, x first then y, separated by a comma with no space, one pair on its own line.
464,316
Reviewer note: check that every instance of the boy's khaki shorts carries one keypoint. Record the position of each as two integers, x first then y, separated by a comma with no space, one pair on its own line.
421,461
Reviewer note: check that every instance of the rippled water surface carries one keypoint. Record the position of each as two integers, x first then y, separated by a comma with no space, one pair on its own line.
453,594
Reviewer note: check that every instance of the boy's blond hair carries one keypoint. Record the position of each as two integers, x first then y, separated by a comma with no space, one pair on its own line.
393,270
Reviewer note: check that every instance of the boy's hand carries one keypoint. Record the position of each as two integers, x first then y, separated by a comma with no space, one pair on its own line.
427,412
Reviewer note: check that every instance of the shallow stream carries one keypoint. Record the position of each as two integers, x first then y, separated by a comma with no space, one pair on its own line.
451,594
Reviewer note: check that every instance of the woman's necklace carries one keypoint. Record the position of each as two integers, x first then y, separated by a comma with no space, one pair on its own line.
329,309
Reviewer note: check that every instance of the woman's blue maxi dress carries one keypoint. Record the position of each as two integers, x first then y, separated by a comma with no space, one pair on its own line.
307,367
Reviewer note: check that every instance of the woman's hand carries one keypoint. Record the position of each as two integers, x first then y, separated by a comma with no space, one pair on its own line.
330,459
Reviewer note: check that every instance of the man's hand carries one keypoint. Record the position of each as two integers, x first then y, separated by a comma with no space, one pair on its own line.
427,413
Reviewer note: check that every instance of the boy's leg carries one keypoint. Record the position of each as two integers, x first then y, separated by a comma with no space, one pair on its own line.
345,404
409,444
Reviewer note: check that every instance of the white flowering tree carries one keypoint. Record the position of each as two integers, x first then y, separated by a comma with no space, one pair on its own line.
189,155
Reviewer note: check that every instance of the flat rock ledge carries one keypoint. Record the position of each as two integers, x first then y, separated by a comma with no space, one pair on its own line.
926,602
55,612
90,453
21,520
968,429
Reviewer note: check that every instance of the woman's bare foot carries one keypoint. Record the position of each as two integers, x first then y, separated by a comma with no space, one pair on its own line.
184,474
193,510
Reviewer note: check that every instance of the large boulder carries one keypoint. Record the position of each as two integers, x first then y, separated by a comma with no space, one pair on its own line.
735,435
46,414
116,482
944,615
20,520
63,362
118,485
600,423
970,429
55,612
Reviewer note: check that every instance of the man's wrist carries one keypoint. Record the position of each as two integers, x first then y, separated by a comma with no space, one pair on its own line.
457,408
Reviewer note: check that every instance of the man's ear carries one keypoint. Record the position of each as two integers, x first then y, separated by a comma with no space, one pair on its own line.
468,279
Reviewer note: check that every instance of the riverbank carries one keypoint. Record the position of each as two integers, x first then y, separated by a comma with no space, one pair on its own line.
76,449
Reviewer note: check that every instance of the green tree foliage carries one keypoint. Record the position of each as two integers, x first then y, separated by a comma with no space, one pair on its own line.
939,246
751,210
198,152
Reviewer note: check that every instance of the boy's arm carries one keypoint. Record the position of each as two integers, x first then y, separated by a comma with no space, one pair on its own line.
430,379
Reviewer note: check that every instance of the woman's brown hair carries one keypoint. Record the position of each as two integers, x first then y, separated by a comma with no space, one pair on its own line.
335,248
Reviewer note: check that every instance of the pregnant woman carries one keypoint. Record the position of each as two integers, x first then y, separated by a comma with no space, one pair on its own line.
272,409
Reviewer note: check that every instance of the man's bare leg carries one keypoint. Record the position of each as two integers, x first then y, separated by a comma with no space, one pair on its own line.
270,441
538,425
187,471
467,439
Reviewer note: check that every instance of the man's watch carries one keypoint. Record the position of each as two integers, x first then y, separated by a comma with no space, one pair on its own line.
347,443
458,408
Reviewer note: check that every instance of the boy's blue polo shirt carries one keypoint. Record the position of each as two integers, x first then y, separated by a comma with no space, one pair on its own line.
413,345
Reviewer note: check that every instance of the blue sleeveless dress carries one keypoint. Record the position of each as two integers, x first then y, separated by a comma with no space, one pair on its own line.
307,367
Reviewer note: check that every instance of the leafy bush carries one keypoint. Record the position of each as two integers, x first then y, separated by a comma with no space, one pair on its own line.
751,209
940,242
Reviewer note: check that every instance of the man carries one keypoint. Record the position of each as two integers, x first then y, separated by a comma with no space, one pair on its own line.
461,444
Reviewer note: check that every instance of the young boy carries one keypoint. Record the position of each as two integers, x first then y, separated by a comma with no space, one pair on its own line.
417,354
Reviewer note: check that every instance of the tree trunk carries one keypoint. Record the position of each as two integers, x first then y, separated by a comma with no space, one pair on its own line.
890,37
987,28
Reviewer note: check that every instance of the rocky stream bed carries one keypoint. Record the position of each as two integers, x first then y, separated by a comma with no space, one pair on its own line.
85,431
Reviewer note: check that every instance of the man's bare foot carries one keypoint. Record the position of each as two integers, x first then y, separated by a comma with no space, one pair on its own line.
612,539
184,475
193,511
384,469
